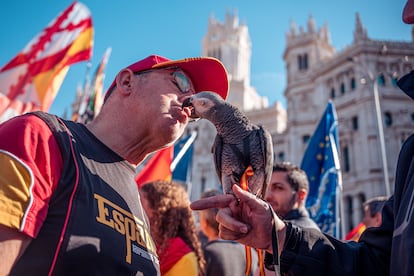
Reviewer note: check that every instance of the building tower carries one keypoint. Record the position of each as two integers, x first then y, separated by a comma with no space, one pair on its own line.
230,43
350,78
305,51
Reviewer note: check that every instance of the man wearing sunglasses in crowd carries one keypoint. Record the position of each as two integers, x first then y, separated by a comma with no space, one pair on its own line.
69,204
384,250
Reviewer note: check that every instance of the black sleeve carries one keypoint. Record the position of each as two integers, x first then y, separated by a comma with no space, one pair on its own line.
310,252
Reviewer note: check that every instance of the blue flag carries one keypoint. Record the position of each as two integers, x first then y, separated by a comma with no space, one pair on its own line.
321,164
183,155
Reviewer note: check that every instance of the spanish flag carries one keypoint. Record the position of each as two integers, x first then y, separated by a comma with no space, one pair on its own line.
355,233
31,80
171,163
157,168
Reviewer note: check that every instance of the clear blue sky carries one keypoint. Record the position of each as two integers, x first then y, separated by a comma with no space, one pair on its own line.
175,29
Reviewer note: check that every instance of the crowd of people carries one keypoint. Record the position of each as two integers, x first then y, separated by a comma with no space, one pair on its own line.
69,204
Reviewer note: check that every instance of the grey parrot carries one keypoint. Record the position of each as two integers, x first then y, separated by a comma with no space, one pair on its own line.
238,143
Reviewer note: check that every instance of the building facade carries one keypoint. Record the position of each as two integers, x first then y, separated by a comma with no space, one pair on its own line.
230,42
350,78
316,73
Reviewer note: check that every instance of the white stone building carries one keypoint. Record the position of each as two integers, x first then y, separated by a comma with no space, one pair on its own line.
317,73
230,42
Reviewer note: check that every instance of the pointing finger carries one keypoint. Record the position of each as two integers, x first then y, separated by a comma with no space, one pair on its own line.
218,201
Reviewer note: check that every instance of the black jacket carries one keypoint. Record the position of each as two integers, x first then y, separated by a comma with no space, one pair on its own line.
300,217
384,250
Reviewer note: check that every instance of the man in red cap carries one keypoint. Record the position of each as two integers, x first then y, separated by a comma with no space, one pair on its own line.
68,198
384,250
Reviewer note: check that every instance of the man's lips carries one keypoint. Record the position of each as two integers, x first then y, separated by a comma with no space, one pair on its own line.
187,111
182,115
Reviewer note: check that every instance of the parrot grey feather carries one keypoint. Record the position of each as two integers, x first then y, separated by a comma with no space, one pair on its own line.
238,143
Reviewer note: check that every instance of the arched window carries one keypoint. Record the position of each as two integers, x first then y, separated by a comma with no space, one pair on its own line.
303,62
353,83
281,156
362,199
305,139
348,202
355,123
333,93
381,80
342,88
347,165
388,119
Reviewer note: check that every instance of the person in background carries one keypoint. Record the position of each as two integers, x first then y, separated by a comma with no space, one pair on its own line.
173,228
372,211
69,203
287,192
372,217
223,257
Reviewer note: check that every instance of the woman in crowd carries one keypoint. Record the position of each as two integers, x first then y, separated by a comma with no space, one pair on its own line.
173,228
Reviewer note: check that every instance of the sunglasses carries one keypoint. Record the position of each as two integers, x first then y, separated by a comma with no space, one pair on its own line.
180,78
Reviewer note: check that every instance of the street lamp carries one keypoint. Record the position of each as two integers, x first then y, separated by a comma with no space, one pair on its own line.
373,80
381,137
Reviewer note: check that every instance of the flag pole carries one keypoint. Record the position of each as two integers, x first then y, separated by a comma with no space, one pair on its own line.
85,92
381,136
183,150
339,210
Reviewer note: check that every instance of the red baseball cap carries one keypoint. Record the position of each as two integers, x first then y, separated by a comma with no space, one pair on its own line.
206,73
408,12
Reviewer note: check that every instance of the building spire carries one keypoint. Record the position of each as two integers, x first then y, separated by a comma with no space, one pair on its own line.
292,27
311,24
360,33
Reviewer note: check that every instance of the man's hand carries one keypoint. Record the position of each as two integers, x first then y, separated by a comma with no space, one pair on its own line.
244,217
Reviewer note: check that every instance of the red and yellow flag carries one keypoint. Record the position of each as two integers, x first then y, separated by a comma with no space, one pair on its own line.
356,232
157,168
31,80
171,163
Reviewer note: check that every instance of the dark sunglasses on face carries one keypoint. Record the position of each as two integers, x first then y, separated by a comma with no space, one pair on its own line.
180,78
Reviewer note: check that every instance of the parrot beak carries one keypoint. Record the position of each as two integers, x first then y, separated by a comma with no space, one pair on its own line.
188,103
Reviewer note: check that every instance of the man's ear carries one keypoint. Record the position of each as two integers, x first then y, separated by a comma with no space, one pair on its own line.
124,81
378,218
302,194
